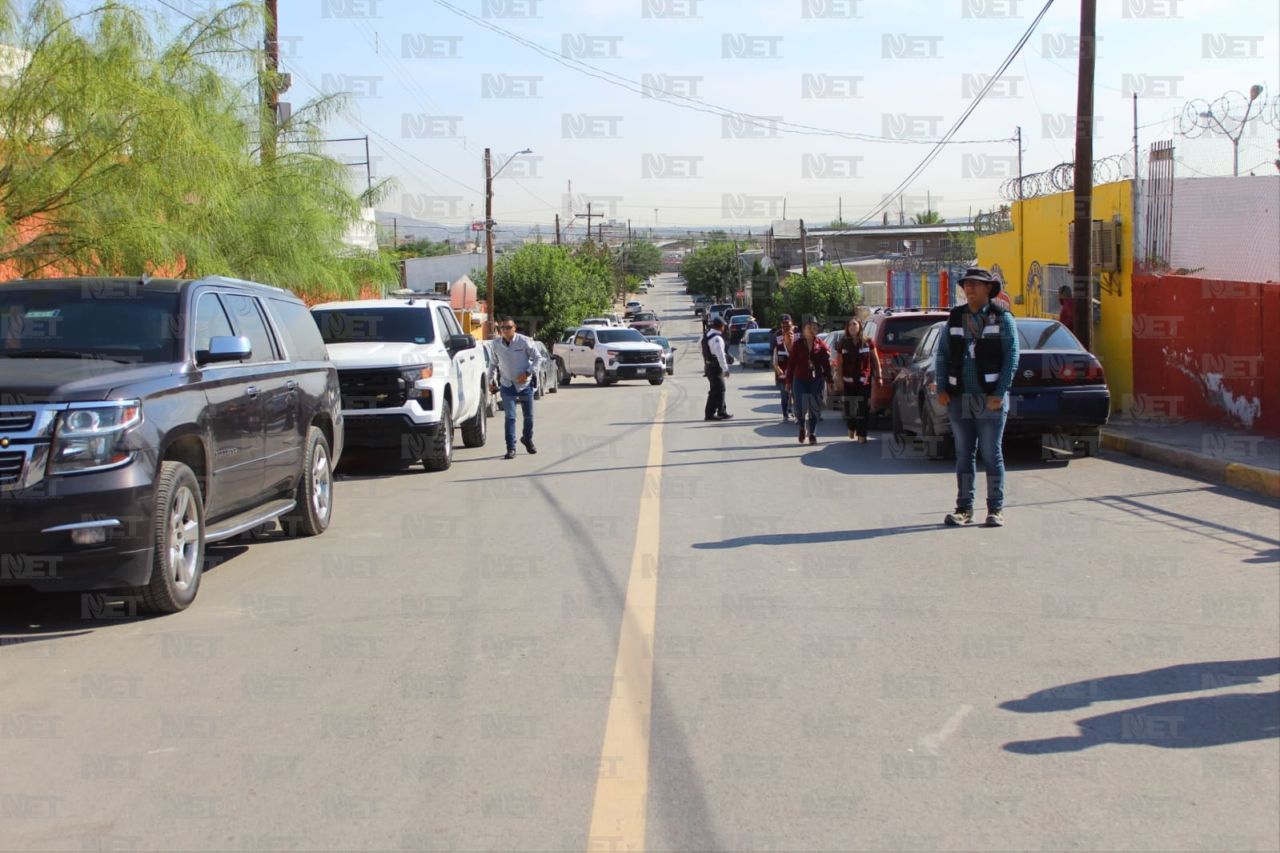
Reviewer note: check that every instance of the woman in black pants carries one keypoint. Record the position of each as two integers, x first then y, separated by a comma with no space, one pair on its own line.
857,367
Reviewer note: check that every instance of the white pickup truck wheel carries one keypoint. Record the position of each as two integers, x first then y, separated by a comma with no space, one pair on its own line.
439,454
475,431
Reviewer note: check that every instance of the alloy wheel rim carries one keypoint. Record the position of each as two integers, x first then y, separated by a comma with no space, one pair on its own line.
184,538
322,485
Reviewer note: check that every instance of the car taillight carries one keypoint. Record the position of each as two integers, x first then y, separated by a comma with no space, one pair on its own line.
1079,372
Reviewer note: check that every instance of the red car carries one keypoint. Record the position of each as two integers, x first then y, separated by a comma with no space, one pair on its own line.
646,323
896,335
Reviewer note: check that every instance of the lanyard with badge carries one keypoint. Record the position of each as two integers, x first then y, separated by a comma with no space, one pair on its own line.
974,324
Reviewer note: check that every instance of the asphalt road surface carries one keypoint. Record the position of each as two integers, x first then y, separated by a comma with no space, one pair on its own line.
669,634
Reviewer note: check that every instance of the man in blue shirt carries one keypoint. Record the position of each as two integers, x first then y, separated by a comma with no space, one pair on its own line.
515,365
974,368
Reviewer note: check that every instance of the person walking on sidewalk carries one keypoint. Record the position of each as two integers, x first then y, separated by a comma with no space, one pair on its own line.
808,369
715,366
1067,313
977,364
515,364
781,340
857,369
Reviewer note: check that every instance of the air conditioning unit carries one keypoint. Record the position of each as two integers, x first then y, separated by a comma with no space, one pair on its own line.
1104,245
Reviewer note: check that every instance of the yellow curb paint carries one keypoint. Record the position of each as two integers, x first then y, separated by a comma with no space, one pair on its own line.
1253,479
622,787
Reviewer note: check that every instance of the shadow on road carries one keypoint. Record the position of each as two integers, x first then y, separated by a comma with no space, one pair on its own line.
814,538
1182,678
1177,724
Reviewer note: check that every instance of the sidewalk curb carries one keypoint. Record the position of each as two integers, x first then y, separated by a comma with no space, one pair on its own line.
1261,481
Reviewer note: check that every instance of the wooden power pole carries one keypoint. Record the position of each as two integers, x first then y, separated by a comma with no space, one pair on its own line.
1081,262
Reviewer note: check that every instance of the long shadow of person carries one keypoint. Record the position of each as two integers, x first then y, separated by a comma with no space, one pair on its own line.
1183,678
1176,724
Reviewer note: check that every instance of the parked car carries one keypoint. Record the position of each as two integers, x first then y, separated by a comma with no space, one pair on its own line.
738,326
409,376
1059,388
608,355
700,303
632,309
717,309
754,349
668,352
598,321
646,323
548,376
145,419
896,336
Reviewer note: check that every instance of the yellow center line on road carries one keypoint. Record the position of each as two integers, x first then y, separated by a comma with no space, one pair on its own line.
622,787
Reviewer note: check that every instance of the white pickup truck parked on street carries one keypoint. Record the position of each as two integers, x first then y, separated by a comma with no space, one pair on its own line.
408,376
608,355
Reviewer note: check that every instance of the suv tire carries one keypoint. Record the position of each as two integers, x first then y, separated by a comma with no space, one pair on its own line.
656,380
474,431
439,454
177,557
600,376
314,495
565,376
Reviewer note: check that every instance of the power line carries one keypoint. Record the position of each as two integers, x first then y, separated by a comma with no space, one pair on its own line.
685,101
937,149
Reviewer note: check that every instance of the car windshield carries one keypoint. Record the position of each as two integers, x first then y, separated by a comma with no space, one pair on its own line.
1046,334
107,319
739,320
619,336
662,342
374,325
758,336
905,332
645,315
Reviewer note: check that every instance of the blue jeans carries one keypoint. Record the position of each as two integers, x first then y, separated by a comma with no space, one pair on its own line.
786,397
976,428
510,397
808,402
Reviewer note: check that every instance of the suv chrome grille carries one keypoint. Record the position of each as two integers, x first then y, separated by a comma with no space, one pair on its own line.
19,421
371,389
11,463
639,357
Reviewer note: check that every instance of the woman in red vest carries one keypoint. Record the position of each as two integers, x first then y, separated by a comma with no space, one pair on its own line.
808,367
857,368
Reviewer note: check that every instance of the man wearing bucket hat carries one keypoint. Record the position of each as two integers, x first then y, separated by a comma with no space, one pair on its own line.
975,368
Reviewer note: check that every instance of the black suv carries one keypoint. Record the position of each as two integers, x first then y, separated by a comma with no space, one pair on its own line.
143,418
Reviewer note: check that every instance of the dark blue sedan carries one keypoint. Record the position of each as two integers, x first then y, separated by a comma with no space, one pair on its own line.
1059,392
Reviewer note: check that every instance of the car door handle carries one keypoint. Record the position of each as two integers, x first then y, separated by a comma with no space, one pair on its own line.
251,391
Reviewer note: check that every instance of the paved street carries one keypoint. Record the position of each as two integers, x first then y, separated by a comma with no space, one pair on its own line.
680,634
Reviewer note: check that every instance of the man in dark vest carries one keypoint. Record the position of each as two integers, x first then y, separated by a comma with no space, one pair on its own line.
715,366
780,342
974,369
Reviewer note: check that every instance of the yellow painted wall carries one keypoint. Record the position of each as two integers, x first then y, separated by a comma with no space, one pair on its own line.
1040,234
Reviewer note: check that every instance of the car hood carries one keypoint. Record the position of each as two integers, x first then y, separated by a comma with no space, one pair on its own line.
71,380
631,346
378,354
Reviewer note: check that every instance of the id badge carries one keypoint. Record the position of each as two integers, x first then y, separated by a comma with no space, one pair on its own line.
972,350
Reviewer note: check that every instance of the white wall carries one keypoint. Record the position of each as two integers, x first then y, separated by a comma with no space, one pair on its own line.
1227,228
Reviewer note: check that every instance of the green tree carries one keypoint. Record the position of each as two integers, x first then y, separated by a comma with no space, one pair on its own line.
641,259
120,154
929,217
831,294
424,248
548,289
712,271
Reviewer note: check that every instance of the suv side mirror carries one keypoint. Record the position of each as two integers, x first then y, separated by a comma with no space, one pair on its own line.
460,342
225,348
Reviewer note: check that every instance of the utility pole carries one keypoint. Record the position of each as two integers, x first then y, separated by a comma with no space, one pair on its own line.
488,241
589,216
557,229
804,251
1082,268
270,84
840,209
1022,273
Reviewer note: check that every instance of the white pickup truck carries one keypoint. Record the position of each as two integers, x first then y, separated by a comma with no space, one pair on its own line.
408,375
608,355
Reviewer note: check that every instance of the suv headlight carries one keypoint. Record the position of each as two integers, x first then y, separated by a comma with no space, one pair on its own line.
92,437
416,378
613,353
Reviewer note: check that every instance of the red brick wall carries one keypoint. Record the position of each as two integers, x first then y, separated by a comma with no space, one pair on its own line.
1208,351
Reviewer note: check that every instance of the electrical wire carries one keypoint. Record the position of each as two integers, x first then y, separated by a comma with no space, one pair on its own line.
938,147
685,101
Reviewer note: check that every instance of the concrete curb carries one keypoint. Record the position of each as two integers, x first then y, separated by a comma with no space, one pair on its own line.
1261,481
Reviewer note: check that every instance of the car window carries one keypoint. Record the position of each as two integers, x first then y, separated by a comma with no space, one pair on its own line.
92,318
588,339
1046,335
211,320
374,325
449,321
758,336
247,316
662,342
617,336
926,346
906,332
299,331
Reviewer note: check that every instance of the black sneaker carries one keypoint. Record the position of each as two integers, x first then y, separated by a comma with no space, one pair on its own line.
528,445
959,518
724,417
995,518
511,454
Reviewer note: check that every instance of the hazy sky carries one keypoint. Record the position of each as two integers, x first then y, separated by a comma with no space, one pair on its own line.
435,86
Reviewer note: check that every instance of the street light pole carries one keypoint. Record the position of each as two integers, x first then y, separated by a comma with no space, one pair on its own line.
489,175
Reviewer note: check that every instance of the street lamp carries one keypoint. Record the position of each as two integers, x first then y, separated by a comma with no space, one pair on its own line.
489,175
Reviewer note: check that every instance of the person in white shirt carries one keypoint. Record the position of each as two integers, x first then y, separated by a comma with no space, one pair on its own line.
715,368
515,365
